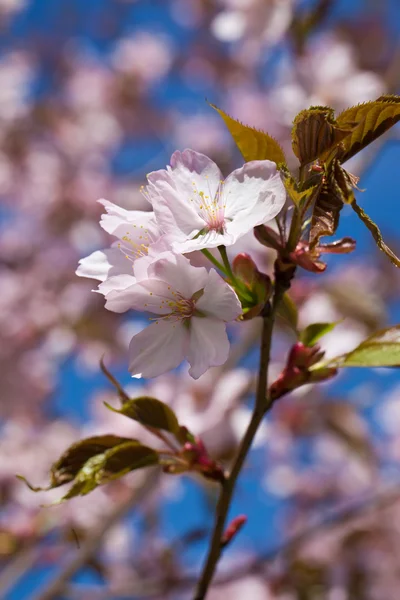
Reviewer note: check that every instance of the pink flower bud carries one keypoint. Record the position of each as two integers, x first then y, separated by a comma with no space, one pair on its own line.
233,529
297,371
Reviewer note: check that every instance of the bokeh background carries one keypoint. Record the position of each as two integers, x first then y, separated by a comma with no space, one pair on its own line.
94,94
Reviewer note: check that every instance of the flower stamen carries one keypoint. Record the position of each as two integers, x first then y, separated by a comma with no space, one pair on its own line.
212,211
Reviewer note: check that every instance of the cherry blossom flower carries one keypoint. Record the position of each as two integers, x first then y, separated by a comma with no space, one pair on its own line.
192,308
197,209
138,236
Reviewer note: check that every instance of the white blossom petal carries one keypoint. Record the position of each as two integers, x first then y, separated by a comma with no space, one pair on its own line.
174,193
219,299
152,296
209,239
159,348
173,209
179,273
137,230
117,217
208,345
253,195
114,287
102,264
196,209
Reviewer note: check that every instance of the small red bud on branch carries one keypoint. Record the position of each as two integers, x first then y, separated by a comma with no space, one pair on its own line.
233,529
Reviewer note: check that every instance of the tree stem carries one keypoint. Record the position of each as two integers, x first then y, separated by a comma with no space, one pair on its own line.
262,404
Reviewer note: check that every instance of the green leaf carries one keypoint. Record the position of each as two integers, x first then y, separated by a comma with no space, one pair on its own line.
112,464
252,143
371,120
311,334
315,133
287,310
382,349
150,412
85,480
376,234
125,458
73,459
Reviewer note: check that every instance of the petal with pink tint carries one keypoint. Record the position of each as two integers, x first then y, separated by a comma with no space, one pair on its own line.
208,345
102,264
179,273
157,349
116,285
196,209
146,296
175,192
138,230
254,194
173,208
219,299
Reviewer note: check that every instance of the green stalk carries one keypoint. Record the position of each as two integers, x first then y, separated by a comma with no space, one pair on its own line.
214,261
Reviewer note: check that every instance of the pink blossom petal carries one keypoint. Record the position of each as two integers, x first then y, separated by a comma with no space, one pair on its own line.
137,229
115,286
195,172
174,212
219,300
102,264
210,239
253,195
174,192
179,273
157,349
150,295
208,345
117,216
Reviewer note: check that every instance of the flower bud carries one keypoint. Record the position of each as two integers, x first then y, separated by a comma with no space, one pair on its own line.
233,529
268,237
245,268
257,283
297,371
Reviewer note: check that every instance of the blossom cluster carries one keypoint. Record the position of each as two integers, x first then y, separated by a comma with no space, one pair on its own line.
145,269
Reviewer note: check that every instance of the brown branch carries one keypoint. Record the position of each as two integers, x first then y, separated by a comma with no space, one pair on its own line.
262,405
